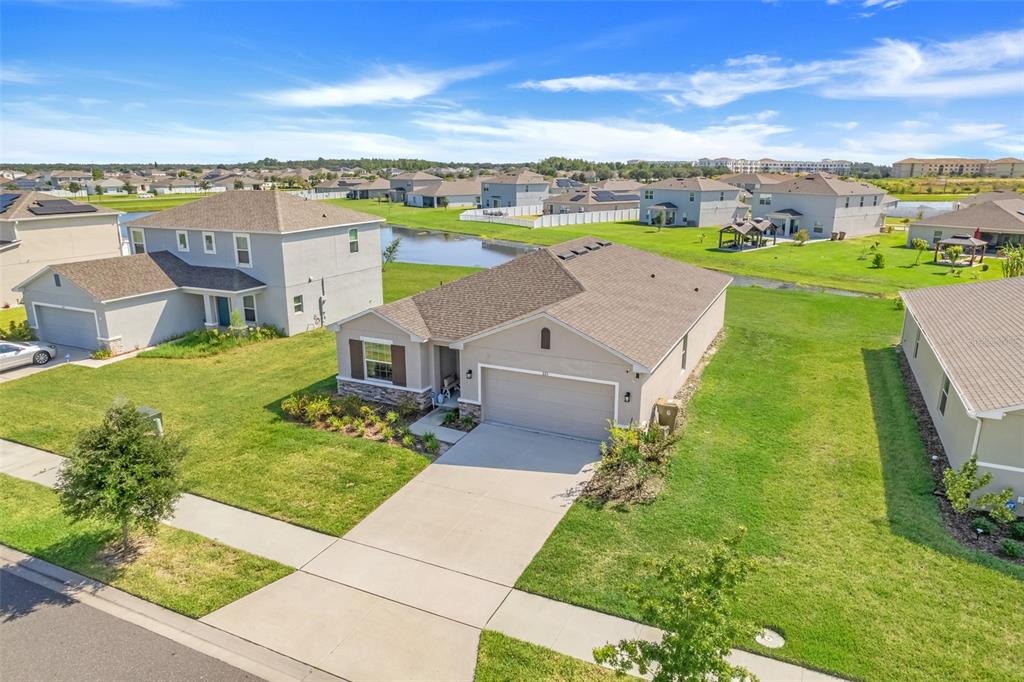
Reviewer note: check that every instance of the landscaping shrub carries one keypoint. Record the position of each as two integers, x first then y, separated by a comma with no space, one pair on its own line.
206,342
18,331
985,525
407,408
101,354
450,418
878,261
431,443
1017,530
1012,548
632,467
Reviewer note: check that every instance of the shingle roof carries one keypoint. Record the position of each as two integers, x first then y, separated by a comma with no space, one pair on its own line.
976,330
761,178
274,212
824,184
107,279
520,178
377,183
636,303
454,188
19,208
747,226
991,196
592,196
693,184
417,175
1001,215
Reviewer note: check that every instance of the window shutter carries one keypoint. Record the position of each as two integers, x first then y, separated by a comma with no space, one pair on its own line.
355,356
398,365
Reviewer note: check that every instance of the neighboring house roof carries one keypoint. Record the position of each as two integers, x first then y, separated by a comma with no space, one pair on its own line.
450,189
633,302
107,279
520,178
693,185
274,212
756,178
379,183
976,330
21,207
823,184
991,196
619,185
418,175
749,225
1001,215
787,211
591,196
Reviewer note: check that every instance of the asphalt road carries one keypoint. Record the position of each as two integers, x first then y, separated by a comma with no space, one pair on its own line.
46,636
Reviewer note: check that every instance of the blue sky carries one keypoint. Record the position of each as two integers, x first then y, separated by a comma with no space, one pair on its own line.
177,81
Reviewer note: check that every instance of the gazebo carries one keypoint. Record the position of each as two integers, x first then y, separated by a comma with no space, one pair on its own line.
972,244
753,231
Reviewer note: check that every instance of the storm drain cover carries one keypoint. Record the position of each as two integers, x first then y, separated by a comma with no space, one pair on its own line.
770,639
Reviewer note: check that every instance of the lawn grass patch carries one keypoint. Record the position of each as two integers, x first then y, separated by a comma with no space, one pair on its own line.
203,343
837,265
13,314
182,571
406,279
801,431
505,659
132,203
227,410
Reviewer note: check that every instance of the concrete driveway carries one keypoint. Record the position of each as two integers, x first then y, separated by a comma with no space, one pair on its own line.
405,593
73,355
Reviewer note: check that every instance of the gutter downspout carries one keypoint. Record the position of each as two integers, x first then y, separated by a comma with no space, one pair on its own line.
977,437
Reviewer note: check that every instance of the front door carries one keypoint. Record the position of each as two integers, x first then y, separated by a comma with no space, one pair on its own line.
223,312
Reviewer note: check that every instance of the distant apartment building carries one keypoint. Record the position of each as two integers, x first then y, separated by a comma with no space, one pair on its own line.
1007,167
834,166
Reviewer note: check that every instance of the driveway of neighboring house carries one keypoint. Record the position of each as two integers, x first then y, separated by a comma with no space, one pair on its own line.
64,354
405,593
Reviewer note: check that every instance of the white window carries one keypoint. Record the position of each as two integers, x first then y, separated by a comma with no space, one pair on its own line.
721,196
818,229
297,306
917,342
182,238
691,196
249,309
847,202
243,256
377,359
353,240
209,242
874,200
56,280
862,202
648,194
138,240
944,395
765,199
686,340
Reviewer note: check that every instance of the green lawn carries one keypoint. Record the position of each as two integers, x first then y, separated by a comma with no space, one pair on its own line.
839,265
406,279
13,314
801,431
131,203
505,659
932,197
181,571
203,343
226,409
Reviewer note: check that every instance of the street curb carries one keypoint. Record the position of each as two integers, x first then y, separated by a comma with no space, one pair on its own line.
202,637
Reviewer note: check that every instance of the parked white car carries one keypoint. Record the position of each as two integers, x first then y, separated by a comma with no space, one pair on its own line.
17,353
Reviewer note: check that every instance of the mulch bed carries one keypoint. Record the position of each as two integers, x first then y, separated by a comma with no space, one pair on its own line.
960,526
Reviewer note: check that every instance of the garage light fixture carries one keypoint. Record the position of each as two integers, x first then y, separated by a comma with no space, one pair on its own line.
627,396
469,374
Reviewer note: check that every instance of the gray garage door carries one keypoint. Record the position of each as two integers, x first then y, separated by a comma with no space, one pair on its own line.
67,327
532,401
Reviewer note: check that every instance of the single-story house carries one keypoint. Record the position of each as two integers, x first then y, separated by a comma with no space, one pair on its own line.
447,193
988,196
589,199
371,189
996,222
965,347
269,257
564,339
403,183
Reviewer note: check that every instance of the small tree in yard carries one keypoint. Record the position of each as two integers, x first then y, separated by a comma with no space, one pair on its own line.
1013,260
878,261
801,236
693,602
657,220
122,471
391,251
953,253
919,245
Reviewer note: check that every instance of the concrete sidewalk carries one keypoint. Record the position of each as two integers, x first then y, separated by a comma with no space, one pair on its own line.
261,535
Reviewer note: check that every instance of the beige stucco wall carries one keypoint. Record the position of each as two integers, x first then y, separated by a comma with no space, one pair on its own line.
670,375
43,242
417,354
999,442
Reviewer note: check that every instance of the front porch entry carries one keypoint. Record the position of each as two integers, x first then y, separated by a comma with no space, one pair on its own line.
447,379
223,311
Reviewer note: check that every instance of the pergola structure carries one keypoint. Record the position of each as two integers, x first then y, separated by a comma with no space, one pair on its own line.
753,231
973,244
667,211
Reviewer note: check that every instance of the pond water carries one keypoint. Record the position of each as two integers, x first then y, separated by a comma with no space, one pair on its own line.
445,248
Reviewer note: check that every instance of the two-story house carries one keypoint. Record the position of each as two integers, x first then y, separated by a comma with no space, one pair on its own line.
406,183
822,204
690,202
268,258
37,230
519,189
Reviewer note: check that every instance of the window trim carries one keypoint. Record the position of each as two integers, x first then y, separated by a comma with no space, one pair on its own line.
686,350
301,303
352,241
213,241
944,394
132,231
390,362
255,311
917,341
178,234
247,249
56,280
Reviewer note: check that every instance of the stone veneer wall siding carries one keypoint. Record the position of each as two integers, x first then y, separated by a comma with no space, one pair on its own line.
382,393
470,409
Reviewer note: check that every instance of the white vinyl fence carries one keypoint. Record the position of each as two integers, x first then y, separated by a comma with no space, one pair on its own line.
535,217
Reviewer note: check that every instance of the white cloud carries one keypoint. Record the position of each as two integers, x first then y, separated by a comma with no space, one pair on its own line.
16,75
884,4
385,86
759,117
843,125
980,66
